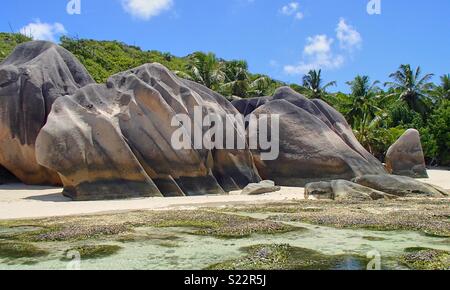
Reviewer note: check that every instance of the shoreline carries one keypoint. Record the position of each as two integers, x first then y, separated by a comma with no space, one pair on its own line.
18,201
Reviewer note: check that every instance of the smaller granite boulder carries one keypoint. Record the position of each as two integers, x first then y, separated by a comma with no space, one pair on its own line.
406,156
343,190
320,190
401,186
265,186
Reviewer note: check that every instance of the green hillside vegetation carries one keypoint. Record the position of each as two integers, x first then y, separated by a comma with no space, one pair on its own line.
8,41
378,113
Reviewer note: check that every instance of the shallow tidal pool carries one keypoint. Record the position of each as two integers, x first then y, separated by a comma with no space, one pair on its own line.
178,248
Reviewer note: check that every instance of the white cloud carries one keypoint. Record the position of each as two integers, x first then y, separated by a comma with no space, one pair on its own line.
292,9
348,37
43,31
146,9
319,44
317,54
319,51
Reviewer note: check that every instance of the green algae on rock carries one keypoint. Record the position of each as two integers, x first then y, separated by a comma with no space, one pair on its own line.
374,239
426,259
429,216
207,223
220,225
14,250
88,252
286,257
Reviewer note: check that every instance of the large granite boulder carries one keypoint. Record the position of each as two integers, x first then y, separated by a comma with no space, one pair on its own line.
344,190
31,79
115,140
316,142
401,186
406,156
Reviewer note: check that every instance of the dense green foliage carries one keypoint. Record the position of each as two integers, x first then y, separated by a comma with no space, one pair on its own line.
105,58
8,41
231,78
378,116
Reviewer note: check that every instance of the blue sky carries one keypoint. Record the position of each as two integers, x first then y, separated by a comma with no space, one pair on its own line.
280,38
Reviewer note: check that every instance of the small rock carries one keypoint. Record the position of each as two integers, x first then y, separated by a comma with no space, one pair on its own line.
265,186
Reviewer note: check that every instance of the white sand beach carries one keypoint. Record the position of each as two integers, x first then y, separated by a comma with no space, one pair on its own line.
18,201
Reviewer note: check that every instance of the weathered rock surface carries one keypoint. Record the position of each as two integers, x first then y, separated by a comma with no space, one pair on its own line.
31,79
319,190
401,186
405,157
316,142
265,186
343,190
114,140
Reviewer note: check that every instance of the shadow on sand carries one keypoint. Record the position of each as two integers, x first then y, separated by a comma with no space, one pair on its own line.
34,192
55,197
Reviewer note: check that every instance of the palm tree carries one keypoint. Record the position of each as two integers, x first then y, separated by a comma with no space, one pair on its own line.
261,86
364,99
362,108
206,69
238,81
443,91
409,86
313,85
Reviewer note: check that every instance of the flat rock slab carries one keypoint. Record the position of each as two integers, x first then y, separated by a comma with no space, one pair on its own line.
400,186
343,190
263,187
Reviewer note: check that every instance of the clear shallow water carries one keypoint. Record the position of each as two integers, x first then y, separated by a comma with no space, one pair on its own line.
197,252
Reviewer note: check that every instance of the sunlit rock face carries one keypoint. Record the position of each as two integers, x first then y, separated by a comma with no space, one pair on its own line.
31,79
316,142
115,140
405,157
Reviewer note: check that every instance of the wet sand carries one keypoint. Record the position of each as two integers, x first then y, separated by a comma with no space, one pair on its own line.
18,201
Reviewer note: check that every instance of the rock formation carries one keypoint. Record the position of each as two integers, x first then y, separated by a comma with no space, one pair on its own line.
114,140
406,156
400,186
316,142
31,79
343,190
